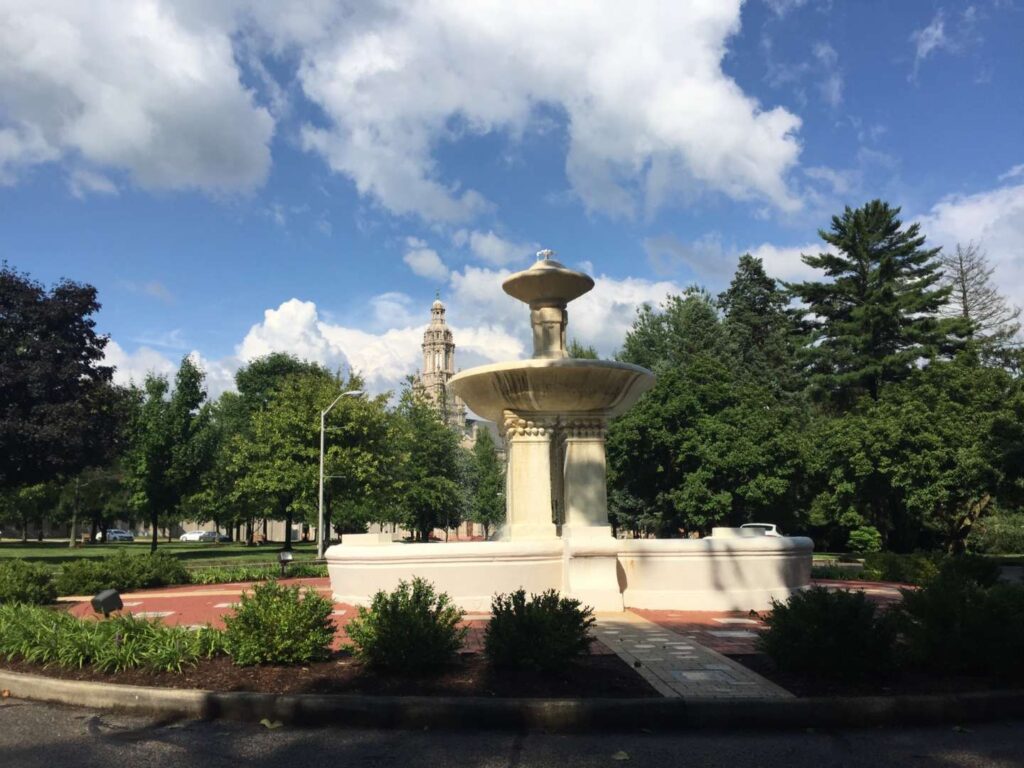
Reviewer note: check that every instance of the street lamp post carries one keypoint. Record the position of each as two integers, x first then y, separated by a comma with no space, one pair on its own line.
320,534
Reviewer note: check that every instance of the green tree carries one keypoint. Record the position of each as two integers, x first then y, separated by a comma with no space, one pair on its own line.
580,351
58,411
430,482
926,460
171,445
758,332
487,484
878,314
28,505
707,446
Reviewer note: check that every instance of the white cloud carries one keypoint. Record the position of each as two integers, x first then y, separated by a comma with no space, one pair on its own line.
713,261
424,261
993,219
139,87
293,327
1016,172
782,7
83,182
494,249
831,84
135,366
937,36
397,82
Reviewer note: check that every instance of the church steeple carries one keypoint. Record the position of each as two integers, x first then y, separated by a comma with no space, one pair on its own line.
439,366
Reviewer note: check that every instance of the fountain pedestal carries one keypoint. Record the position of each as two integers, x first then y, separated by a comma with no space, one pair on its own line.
528,478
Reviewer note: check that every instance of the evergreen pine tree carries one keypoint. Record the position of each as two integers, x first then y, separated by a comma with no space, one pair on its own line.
878,315
758,331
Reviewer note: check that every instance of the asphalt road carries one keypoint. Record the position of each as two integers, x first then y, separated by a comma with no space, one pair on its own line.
43,736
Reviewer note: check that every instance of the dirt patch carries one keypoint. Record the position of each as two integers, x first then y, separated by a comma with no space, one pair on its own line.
900,683
597,676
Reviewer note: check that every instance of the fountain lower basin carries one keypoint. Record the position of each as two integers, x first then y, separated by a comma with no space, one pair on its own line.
710,574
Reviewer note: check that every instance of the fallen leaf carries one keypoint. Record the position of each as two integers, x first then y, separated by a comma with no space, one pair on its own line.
270,725
620,755
5,694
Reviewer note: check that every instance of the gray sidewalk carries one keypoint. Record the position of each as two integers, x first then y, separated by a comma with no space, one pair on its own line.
678,666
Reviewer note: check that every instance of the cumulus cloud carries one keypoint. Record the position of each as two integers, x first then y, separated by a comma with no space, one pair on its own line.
424,261
133,367
137,87
994,219
397,82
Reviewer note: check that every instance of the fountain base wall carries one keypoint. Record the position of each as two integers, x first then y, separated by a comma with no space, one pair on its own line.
711,574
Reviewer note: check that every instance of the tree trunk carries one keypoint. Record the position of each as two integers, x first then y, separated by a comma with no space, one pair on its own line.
155,522
288,530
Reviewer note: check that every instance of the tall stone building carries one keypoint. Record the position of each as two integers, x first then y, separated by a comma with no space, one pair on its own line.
438,369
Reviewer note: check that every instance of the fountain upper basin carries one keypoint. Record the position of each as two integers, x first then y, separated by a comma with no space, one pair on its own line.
543,385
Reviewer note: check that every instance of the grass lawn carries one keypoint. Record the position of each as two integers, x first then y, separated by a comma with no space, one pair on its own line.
193,553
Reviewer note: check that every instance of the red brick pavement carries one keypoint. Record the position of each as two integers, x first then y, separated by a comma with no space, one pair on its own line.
725,632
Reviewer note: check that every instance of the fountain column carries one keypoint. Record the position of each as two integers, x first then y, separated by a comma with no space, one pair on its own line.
584,475
528,484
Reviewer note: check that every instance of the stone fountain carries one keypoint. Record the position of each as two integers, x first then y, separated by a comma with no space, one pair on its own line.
553,412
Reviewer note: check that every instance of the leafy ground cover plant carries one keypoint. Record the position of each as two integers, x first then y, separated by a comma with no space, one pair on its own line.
51,637
545,632
28,583
837,635
409,631
275,624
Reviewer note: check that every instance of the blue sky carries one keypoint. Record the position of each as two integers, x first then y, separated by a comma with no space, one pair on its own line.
237,178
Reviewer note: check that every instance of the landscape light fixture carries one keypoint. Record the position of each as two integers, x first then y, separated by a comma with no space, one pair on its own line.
284,557
106,602
320,515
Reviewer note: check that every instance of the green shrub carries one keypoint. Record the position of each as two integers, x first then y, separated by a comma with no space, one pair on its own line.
998,534
279,625
837,635
121,571
50,637
916,568
411,630
958,624
236,573
29,583
865,539
978,570
544,633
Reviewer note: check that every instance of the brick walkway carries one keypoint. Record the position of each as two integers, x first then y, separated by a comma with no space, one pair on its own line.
678,666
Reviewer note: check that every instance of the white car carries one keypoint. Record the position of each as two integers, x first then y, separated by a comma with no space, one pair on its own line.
116,534
198,536
770,529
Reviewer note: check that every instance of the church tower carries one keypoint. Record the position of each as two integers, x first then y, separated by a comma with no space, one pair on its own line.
439,366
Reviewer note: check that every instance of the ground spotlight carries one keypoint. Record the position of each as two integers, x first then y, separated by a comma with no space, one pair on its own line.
107,601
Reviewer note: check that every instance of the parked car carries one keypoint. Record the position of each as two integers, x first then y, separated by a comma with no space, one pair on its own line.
770,529
115,534
198,536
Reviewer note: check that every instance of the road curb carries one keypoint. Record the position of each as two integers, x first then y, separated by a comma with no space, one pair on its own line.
552,715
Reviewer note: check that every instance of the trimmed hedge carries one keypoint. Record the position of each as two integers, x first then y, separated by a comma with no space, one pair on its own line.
544,633
27,583
838,635
410,631
275,624
120,571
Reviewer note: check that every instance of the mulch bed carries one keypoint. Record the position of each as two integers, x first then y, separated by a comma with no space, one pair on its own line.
597,676
904,682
